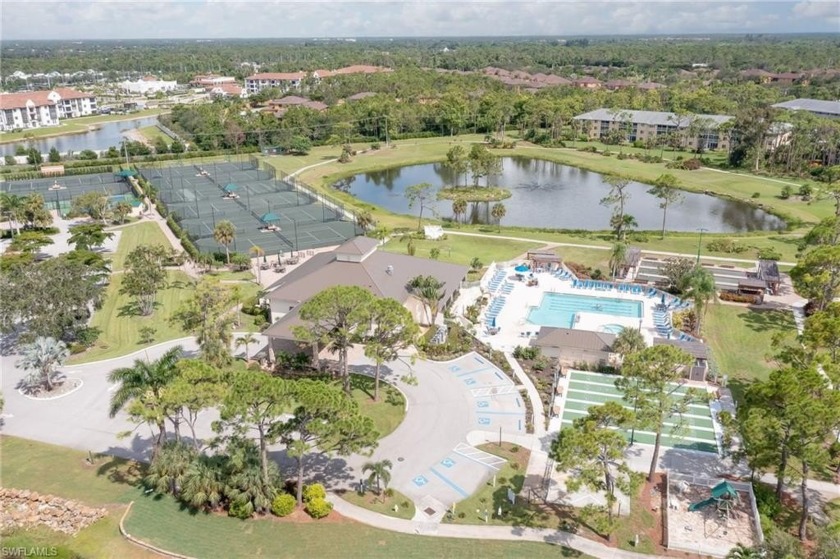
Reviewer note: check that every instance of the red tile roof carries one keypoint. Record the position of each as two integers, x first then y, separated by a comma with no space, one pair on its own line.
38,98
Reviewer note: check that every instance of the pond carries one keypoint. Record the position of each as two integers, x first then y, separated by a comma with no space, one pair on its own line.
109,134
551,195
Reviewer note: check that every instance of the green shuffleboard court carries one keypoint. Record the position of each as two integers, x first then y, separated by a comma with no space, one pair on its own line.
588,389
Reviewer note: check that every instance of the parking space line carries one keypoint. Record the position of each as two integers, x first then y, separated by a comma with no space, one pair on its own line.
449,482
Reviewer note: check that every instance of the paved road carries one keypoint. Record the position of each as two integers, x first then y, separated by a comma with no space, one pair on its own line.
433,462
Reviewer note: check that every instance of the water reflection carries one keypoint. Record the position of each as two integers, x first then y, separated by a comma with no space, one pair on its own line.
547,194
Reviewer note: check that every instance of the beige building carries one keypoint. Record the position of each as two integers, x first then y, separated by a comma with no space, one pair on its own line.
695,130
356,262
574,347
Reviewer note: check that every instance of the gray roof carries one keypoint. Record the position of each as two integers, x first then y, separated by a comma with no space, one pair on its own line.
698,350
574,339
648,117
811,105
384,274
357,246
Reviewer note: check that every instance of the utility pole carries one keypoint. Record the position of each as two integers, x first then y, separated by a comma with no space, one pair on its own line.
387,138
699,242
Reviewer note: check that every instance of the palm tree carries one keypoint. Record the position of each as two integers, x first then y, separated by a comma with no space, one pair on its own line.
429,290
122,209
364,220
257,252
168,469
741,551
379,472
459,208
246,340
42,357
203,486
205,259
617,257
12,206
144,382
224,234
498,211
701,290
629,340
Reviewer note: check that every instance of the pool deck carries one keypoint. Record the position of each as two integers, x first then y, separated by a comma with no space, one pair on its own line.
514,329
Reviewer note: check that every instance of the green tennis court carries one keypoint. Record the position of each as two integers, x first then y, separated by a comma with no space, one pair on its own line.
588,389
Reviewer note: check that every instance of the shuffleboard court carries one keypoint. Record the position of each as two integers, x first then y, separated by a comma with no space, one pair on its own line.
587,389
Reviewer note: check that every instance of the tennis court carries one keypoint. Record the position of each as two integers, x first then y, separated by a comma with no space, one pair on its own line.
59,191
252,199
587,389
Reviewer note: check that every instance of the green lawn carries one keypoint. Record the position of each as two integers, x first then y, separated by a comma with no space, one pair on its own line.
162,521
152,133
72,126
387,412
134,235
461,249
382,503
121,329
740,339
489,497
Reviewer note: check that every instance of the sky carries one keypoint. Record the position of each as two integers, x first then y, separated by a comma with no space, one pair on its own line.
221,19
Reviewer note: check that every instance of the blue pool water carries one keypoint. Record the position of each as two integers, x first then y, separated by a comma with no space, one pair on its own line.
559,309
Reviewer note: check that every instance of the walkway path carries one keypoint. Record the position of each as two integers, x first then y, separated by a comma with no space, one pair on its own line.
515,533
599,247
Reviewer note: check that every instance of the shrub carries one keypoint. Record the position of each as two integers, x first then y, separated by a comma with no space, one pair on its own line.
805,191
526,352
786,192
147,334
685,164
283,504
769,253
388,492
242,510
314,491
319,508
374,146
738,297
766,501
756,195
76,349
725,245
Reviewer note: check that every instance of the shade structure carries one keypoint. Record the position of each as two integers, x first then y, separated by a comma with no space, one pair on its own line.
522,268
663,298
269,217
230,187
125,173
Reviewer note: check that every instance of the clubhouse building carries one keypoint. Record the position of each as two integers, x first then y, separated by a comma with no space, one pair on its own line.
356,262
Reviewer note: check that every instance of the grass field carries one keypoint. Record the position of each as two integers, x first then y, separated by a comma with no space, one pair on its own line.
72,126
121,328
387,412
740,339
382,503
162,521
152,133
461,250
135,235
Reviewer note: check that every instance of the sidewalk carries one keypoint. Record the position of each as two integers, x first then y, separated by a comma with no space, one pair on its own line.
599,247
512,533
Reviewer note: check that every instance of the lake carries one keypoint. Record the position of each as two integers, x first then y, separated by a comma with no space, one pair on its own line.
110,134
551,195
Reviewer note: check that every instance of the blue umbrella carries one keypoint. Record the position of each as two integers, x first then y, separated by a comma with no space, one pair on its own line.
522,268
494,322
230,187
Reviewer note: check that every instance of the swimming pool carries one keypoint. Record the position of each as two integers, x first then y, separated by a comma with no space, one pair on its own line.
559,309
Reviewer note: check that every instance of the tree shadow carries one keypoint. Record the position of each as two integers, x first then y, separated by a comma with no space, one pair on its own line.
123,471
332,472
767,318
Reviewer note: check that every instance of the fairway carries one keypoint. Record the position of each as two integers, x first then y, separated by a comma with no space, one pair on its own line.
591,389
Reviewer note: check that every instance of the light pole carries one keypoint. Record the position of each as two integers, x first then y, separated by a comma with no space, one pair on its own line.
699,242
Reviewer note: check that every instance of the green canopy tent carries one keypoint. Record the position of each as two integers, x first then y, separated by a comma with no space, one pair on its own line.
270,217
125,173
230,187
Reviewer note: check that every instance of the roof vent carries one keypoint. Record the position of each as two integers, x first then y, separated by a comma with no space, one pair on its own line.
389,270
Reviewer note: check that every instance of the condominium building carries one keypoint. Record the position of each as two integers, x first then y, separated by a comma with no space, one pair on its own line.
208,81
34,109
284,81
650,125
818,107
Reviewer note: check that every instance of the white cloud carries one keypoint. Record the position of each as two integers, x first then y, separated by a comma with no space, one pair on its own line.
317,18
